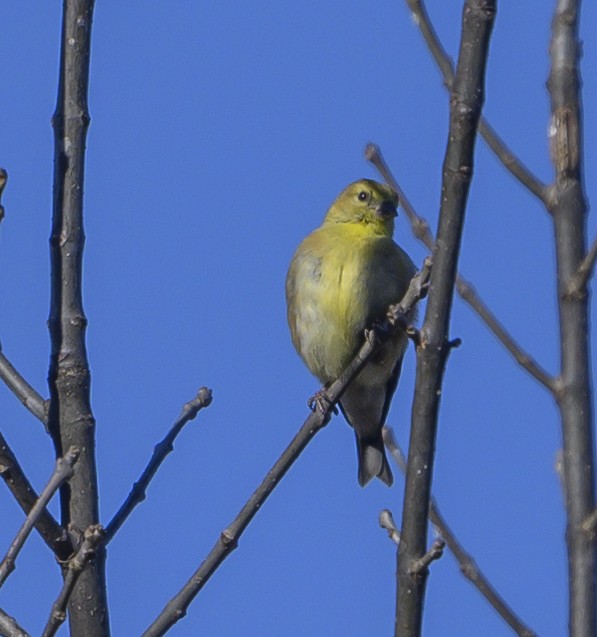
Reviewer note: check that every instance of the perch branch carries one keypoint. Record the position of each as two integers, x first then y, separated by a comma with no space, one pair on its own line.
177,607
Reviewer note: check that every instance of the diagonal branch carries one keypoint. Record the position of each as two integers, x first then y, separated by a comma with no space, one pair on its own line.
22,389
467,564
177,607
501,150
9,626
137,494
62,472
466,291
16,480
466,102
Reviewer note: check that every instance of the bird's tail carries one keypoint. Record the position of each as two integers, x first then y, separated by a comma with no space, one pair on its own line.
372,461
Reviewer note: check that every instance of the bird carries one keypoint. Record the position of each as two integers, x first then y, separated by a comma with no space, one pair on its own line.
340,282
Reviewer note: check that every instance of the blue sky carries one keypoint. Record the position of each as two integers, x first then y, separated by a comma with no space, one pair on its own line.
220,134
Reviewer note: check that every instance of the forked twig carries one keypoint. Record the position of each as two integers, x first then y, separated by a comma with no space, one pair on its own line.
92,538
468,565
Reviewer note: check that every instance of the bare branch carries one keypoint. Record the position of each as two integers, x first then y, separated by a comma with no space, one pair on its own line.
70,418
176,608
442,59
22,389
93,537
62,472
467,564
465,109
161,450
48,528
466,291
568,206
9,626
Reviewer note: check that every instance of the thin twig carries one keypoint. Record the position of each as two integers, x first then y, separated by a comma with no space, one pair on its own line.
420,228
468,293
466,562
25,495
442,59
3,180
62,472
93,537
578,281
22,389
176,608
386,521
434,553
466,102
161,450
9,626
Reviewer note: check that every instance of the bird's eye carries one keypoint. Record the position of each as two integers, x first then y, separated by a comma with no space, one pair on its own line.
363,196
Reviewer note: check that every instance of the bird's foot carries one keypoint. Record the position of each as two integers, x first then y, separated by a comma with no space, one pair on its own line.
321,401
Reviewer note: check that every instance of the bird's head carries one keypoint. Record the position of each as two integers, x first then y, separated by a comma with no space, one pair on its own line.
367,203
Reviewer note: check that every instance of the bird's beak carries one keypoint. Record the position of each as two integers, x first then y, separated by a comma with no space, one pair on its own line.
386,209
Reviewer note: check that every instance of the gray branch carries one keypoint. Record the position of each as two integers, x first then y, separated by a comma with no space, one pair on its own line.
93,537
467,563
62,472
70,419
22,389
9,626
465,109
574,399
13,475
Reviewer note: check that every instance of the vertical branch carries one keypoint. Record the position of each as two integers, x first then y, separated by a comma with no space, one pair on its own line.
465,109
70,420
569,209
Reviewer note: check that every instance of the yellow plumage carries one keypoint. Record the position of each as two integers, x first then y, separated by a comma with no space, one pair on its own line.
342,278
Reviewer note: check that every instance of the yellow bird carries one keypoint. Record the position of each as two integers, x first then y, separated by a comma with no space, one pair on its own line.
341,280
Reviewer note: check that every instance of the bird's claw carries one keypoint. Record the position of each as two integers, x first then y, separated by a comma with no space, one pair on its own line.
321,401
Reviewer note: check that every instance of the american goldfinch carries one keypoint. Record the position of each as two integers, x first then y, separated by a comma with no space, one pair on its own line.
341,280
